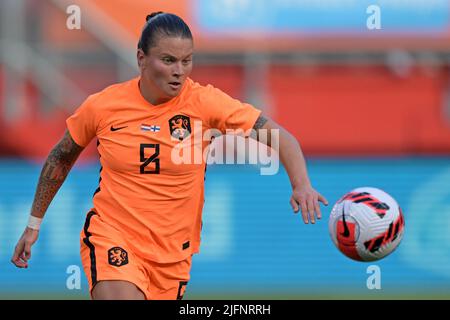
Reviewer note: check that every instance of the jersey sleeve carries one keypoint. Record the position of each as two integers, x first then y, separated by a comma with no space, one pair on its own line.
224,112
82,125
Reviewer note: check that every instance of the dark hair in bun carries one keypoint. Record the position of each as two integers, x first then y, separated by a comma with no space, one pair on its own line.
162,24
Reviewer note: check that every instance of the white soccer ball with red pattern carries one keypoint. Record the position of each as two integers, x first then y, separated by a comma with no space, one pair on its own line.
366,224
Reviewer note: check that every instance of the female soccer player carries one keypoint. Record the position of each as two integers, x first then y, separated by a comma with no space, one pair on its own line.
145,223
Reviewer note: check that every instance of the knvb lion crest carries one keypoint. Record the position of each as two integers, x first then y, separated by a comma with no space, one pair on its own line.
180,127
117,257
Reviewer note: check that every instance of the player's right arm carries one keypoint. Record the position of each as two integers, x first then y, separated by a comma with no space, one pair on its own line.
55,170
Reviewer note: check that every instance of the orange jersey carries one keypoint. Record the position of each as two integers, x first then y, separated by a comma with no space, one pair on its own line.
156,202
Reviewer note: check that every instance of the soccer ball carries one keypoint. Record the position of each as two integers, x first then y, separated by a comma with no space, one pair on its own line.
366,224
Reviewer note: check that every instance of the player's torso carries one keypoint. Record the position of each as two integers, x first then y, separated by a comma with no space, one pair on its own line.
140,144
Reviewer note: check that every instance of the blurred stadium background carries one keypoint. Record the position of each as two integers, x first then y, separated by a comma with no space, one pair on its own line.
370,108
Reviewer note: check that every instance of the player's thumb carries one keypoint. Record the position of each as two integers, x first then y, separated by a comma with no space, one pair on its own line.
323,199
294,205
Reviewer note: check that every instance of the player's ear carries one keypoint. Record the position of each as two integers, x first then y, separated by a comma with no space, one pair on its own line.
141,59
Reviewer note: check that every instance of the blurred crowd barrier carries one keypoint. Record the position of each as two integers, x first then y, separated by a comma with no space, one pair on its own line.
316,67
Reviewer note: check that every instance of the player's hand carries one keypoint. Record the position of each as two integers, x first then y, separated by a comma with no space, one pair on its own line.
22,252
306,199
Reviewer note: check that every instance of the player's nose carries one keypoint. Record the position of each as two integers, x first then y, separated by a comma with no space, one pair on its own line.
178,70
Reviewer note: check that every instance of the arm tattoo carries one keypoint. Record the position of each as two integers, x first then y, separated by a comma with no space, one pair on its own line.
260,122
55,170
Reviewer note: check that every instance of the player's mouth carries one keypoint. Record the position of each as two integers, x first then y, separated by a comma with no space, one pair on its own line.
175,85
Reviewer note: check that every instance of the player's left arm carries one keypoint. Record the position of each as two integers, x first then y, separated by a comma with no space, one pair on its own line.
303,194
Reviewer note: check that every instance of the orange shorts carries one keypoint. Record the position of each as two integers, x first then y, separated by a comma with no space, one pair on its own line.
106,255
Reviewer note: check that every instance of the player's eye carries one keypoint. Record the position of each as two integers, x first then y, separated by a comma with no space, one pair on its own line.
167,60
186,62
